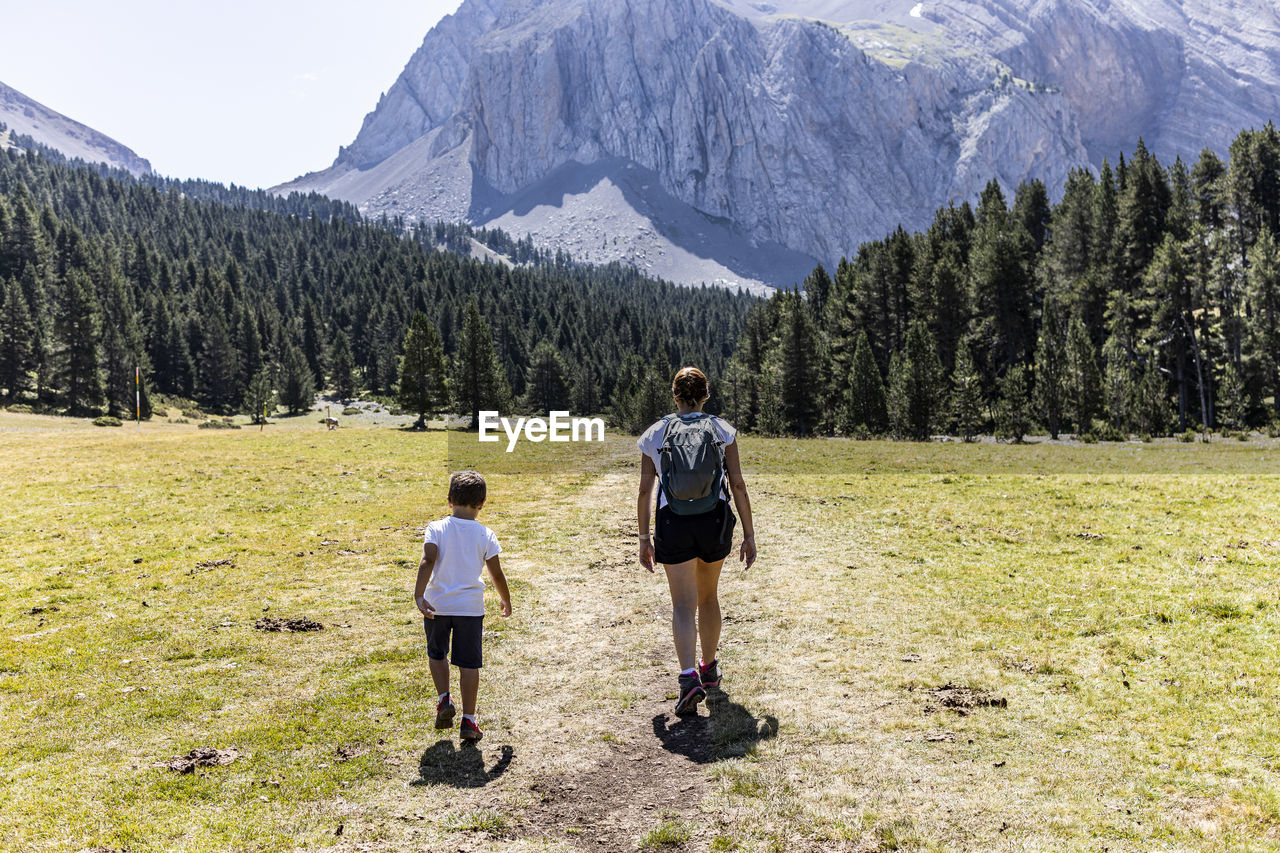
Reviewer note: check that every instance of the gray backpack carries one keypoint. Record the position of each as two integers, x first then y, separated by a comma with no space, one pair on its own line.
692,471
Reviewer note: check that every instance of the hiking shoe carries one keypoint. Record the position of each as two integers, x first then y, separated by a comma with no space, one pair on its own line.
709,674
469,730
445,712
691,693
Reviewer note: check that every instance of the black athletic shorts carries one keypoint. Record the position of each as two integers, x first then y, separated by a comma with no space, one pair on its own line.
707,537
467,633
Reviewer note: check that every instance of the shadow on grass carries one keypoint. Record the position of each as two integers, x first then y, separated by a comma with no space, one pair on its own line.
728,731
460,767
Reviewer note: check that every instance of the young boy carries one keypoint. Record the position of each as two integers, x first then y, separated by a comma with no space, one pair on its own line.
450,594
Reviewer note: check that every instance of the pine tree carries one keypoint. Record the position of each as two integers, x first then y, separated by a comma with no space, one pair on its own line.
478,379
1234,403
260,398
1151,406
423,374
546,381
342,366
1083,378
296,384
76,328
966,395
122,352
248,345
1144,203
585,393
1067,257
313,342
915,385
387,344
176,373
772,419
1000,280
217,365
1264,328
1051,371
799,357
17,337
1169,277
1118,390
35,292
1208,192
640,395
898,395
1032,211
1012,409
864,409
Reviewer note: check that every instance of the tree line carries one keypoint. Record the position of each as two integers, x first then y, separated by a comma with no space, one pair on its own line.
236,299
1146,300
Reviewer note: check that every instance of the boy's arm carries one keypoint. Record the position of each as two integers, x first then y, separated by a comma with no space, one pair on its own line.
500,583
429,552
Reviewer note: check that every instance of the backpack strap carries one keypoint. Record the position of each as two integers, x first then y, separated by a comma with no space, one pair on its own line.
662,448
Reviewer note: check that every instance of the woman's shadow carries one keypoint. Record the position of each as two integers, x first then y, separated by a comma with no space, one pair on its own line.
728,731
461,767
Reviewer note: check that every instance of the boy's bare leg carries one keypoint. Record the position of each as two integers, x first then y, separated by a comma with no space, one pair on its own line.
470,681
440,674
682,579
708,580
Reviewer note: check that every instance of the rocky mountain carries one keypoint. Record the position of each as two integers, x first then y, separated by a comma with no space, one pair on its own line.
26,117
740,142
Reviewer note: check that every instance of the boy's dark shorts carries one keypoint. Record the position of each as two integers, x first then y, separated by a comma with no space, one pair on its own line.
467,632
707,537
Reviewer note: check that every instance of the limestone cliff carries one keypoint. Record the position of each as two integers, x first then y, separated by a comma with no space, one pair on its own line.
740,142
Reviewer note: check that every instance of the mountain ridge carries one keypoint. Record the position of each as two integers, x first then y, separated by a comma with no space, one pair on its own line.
811,131
28,117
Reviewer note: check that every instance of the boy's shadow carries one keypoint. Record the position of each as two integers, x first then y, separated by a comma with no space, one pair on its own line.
728,731
461,767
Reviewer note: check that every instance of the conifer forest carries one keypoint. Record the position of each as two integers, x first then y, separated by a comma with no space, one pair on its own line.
1145,302
230,299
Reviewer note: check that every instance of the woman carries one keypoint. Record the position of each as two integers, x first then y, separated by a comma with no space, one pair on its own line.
693,458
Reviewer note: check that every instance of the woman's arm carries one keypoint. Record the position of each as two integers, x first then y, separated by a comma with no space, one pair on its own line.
648,476
742,501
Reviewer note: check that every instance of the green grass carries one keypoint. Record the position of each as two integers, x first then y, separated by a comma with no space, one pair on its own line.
484,820
1120,597
669,833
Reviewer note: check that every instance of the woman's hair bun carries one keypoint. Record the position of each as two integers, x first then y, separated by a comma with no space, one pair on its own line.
690,386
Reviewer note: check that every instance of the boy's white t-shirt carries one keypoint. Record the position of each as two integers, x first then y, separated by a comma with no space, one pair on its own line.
456,587
650,445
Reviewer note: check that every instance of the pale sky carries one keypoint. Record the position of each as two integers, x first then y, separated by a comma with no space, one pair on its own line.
254,92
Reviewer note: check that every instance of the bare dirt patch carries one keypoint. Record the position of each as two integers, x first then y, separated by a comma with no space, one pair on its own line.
203,756
636,785
962,700
279,623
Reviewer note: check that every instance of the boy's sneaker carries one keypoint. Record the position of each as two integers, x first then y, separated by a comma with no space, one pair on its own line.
469,730
445,712
691,693
709,673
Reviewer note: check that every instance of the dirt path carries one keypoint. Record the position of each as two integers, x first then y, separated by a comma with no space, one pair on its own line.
652,768
581,749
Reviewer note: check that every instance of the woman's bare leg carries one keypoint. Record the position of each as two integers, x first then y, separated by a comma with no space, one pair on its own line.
683,581
707,576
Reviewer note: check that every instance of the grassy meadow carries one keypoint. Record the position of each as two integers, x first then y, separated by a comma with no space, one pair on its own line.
942,647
